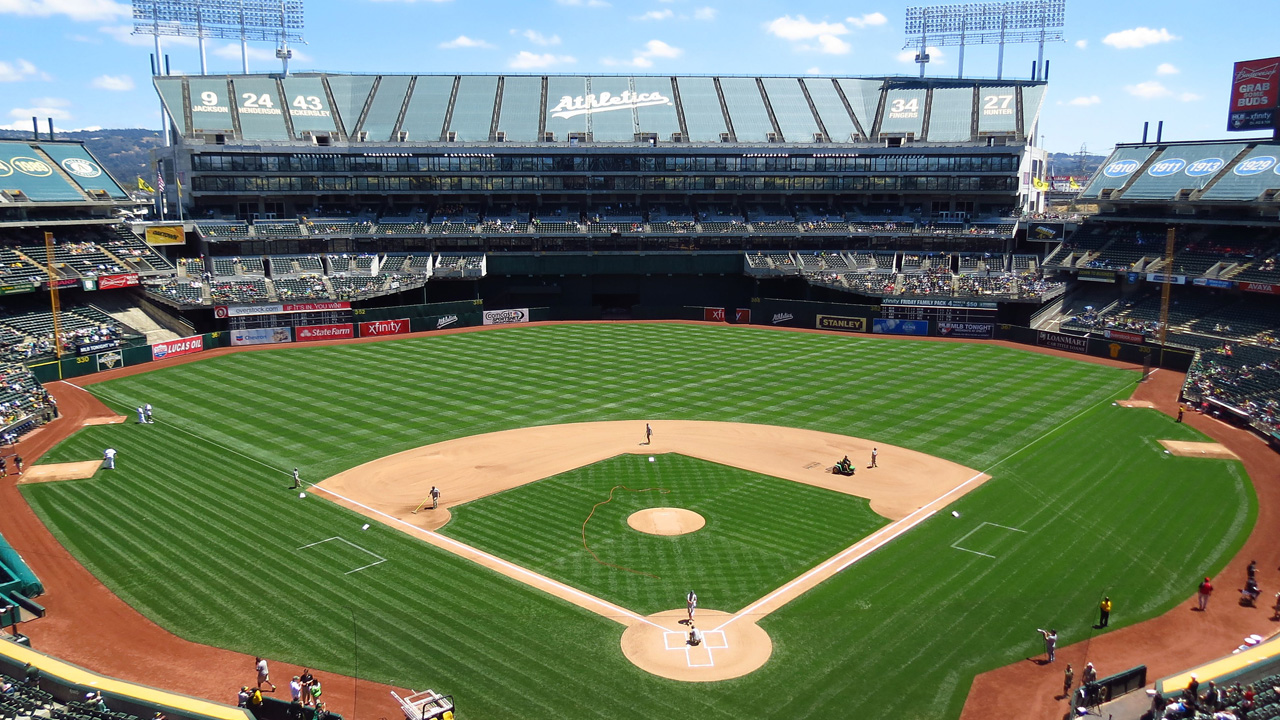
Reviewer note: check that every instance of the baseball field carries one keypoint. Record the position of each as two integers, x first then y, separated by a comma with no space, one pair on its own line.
197,530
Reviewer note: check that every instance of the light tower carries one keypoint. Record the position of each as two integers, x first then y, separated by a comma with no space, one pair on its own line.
985,23
279,22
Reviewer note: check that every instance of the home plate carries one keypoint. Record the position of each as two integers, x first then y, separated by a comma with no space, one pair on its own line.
60,471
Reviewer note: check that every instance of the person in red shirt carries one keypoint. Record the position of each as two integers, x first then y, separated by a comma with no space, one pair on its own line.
1206,589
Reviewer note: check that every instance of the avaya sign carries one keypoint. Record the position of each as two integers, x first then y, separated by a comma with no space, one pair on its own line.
384,327
604,102
174,348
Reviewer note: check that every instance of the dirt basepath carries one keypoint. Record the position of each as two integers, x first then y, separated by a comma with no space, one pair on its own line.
1180,638
91,627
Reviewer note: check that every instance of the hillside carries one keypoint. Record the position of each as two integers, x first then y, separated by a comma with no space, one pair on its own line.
126,154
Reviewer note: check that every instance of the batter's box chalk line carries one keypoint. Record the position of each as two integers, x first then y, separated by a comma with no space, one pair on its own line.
711,640
957,545
363,550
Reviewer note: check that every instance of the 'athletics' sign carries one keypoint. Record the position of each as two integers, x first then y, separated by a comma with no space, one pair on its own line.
589,104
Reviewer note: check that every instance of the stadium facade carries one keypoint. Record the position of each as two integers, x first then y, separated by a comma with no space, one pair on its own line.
264,146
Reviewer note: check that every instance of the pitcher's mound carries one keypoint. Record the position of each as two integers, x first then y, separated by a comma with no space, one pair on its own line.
661,646
1199,449
60,471
666,521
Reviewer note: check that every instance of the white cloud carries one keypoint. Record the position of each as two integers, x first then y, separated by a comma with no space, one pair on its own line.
74,9
124,34
20,70
583,3
462,41
1082,44
1149,90
1188,97
799,28
815,70
113,82
1167,69
829,44
643,58
1138,37
57,112
869,20
909,56
705,13
538,38
525,60
1085,100
663,14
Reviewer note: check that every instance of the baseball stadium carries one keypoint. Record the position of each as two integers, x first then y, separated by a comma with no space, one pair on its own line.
631,396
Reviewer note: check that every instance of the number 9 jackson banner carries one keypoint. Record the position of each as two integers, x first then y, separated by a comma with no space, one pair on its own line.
1255,90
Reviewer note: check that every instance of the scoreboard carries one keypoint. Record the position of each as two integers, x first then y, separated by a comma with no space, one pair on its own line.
939,311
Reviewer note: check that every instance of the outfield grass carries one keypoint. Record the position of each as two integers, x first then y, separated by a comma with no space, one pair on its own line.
196,530
761,531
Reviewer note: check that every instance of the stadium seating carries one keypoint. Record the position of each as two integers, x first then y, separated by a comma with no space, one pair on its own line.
183,291
241,290
265,229
306,287
223,230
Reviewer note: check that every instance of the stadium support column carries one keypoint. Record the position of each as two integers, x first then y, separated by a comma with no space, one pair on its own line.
1004,15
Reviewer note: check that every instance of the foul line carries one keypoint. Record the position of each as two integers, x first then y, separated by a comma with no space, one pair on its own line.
440,540
857,550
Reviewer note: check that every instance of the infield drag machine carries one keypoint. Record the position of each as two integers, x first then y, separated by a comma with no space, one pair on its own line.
426,705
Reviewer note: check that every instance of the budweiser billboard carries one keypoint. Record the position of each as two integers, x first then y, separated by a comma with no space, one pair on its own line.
324,332
384,327
225,311
174,348
1255,89
506,317
110,282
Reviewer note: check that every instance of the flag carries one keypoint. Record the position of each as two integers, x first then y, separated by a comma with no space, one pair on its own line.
159,181
143,186
1074,185
1037,183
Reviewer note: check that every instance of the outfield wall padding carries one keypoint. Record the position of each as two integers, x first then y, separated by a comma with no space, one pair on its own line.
12,564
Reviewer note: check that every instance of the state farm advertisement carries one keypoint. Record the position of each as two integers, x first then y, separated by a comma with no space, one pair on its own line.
174,348
110,282
384,327
1255,89
324,332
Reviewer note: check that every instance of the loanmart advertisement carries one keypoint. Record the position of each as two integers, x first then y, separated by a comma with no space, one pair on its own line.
900,327
262,336
1062,341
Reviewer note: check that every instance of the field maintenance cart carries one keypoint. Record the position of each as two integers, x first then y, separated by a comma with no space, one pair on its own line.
426,705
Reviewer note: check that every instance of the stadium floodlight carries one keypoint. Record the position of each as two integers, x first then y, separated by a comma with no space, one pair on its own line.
274,21
985,23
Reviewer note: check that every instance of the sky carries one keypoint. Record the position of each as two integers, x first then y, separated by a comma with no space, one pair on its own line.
1123,62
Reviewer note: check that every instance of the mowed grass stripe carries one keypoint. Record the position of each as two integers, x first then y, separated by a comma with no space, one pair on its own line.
917,616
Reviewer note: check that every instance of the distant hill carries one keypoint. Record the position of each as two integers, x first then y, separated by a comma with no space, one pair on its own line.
126,154
1074,164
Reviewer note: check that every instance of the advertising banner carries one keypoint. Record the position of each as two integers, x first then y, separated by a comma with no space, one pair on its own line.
61,283
1060,341
900,327
226,311
109,360
713,314
1173,279
742,316
1095,275
1213,283
111,282
262,336
839,322
16,289
781,318
1255,90
445,321
1266,288
166,235
506,317
1122,336
324,332
175,348
97,347
1046,231
384,327
981,331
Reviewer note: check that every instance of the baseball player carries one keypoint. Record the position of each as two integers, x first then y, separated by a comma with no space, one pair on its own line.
297,482
874,453
691,604
109,458
435,497
146,409
648,434
264,675
142,416
695,636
